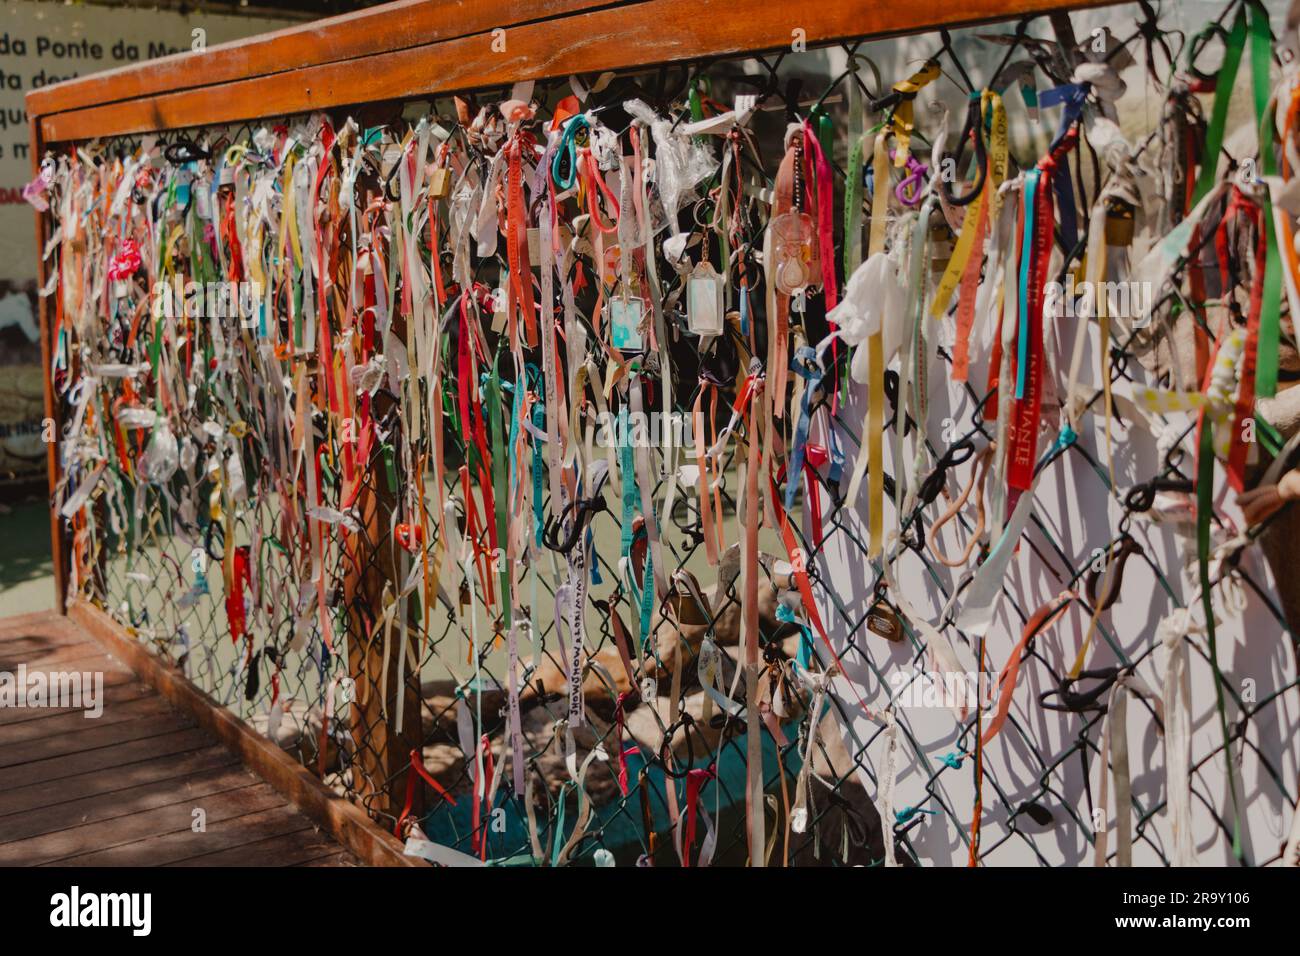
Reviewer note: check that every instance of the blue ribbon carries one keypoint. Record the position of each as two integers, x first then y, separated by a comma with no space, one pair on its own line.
805,363
1026,247
1072,96
568,149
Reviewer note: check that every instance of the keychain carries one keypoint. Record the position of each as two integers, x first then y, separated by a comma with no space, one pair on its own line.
704,297
794,247
626,316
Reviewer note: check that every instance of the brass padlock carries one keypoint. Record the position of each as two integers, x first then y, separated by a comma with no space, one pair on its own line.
1120,218
440,182
884,620
686,607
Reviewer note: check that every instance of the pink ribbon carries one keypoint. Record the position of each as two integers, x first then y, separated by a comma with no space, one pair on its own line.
695,780
814,456
825,217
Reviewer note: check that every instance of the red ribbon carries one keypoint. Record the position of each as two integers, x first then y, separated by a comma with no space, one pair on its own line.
1027,411
235,599
814,456
623,752
418,768
1240,208
520,294
695,781
825,214
966,296
478,837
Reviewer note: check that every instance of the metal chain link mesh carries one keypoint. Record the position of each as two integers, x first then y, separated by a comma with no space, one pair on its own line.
154,560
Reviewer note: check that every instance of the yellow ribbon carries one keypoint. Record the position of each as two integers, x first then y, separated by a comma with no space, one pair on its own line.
996,173
876,361
902,121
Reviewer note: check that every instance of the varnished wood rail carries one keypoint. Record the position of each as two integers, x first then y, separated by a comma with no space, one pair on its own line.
422,47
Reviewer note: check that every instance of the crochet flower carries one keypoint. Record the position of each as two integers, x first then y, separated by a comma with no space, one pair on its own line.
126,263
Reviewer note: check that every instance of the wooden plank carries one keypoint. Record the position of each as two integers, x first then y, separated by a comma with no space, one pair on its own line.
110,667
638,34
28,636
36,655
71,723
179,846
120,803
288,849
175,819
99,661
123,777
104,759
35,622
119,688
81,742
391,26
29,641
348,823
68,657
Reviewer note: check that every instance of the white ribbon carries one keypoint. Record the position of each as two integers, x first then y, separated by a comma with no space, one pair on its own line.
1172,632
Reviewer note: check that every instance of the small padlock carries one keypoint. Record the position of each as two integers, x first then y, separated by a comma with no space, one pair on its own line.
685,606
884,620
440,182
1119,223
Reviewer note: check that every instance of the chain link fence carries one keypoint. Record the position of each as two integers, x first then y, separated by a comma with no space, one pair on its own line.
309,581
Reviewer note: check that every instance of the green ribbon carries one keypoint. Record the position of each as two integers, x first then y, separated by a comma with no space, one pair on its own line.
1266,345
826,133
853,210
1256,29
1226,79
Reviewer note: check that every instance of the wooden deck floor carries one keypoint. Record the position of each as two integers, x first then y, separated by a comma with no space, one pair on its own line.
121,789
